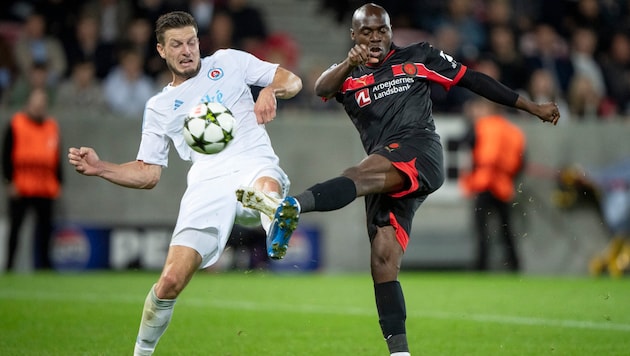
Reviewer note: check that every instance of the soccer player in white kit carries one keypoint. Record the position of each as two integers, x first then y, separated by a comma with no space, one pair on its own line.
208,209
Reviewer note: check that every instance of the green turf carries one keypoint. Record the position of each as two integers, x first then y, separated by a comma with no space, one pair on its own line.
232,314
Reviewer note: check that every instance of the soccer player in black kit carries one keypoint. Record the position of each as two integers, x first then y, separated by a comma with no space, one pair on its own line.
385,92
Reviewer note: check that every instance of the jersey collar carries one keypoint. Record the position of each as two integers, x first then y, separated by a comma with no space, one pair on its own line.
391,52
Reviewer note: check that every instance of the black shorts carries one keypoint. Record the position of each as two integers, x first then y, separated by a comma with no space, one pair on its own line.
421,159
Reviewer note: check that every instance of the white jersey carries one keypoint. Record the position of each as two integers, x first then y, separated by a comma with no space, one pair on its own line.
225,78
209,207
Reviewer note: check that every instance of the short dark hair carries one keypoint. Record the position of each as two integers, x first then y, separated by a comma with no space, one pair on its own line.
174,19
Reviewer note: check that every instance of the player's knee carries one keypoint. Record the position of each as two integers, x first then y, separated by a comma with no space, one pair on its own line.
384,262
268,184
386,252
169,286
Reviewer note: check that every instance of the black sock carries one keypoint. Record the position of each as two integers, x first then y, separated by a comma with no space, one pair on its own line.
392,314
333,194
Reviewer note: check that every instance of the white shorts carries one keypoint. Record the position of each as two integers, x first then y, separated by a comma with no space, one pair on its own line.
209,210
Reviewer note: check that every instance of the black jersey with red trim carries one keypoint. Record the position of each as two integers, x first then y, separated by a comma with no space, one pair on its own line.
392,100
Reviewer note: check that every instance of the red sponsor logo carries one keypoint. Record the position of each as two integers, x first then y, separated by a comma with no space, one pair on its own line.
363,97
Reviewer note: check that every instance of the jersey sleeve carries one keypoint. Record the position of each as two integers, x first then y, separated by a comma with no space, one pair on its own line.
257,72
440,67
154,144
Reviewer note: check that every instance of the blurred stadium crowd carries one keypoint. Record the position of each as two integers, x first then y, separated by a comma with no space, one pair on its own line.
101,53
575,52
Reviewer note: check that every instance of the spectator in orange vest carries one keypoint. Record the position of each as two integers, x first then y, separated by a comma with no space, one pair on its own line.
498,150
31,166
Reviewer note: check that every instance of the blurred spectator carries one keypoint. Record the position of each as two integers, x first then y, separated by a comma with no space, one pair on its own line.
448,39
583,99
503,47
127,87
86,45
498,13
32,171
543,88
141,39
281,48
8,69
37,78
583,47
82,89
498,156
220,34
34,46
113,16
460,16
545,49
424,14
590,14
16,10
616,68
551,13
153,9
249,29
203,12
59,20
406,33
587,91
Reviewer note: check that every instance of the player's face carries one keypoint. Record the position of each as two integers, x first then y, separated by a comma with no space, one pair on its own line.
373,30
181,52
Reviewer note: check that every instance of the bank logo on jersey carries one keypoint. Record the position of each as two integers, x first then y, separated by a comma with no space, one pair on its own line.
391,87
363,97
215,73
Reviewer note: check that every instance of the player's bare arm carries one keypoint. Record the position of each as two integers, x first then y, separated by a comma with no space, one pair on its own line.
134,174
285,85
547,112
328,84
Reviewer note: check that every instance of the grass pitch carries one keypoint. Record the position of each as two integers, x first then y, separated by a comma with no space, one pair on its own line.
234,314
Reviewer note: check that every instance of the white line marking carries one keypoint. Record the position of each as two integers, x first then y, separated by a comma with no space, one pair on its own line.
323,309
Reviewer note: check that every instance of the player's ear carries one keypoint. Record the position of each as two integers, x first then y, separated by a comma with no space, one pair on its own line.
352,34
160,50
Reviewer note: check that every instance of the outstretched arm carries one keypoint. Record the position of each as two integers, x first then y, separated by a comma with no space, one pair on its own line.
285,85
491,89
134,174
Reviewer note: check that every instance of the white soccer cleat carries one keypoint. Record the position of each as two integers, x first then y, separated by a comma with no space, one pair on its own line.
257,200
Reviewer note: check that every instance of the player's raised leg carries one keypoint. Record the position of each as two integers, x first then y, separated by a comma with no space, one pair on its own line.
257,200
285,215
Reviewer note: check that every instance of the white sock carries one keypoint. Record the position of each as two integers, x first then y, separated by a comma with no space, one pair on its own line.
156,316
265,221
401,354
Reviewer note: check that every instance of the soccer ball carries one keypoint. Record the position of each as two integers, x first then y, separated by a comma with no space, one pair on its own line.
209,127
